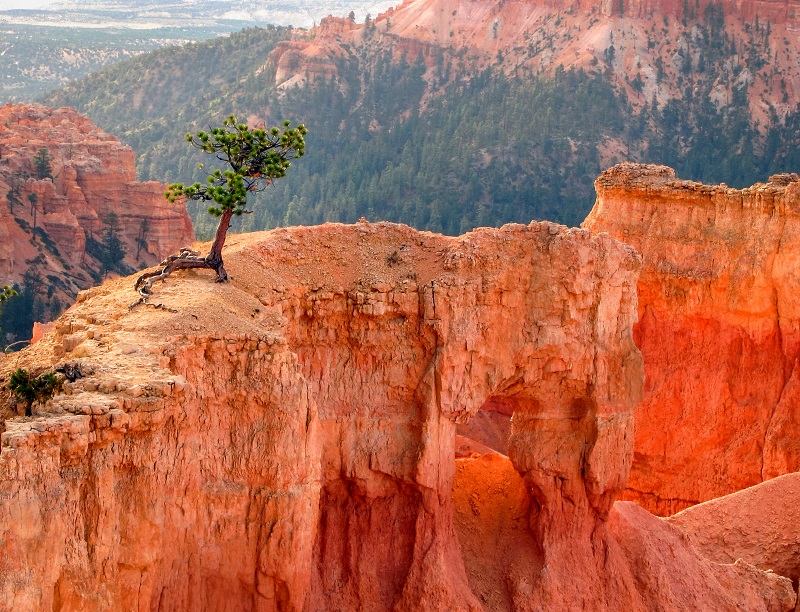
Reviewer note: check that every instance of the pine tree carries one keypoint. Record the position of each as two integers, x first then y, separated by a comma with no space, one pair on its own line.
255,158
42,165
112,250
28,388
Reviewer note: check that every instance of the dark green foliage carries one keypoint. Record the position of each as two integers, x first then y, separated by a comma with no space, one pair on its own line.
36,59
13,194
34,200
32,304
195,85
254,158
141,238
48,243
41,164
17,316
109,251
476,156
28,388
7,292
113,251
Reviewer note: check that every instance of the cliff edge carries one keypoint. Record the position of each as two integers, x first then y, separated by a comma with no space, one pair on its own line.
286,441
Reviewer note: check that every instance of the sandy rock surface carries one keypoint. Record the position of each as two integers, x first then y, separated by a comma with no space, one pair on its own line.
757,525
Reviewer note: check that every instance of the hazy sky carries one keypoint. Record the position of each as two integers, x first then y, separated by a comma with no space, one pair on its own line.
16,4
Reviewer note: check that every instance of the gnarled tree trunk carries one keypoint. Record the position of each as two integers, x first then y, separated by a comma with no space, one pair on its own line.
188,258
214,257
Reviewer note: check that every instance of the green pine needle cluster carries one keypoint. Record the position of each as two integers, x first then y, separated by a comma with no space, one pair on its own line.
27,388
255,158
6,292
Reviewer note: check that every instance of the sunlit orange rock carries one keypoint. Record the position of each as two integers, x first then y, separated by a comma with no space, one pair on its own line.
645,562
719,330
286,441
758,525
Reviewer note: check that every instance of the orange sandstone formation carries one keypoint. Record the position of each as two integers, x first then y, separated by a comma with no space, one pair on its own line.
92,175
719,321
286,441
648,563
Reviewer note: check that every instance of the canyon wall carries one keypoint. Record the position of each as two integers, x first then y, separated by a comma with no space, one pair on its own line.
92,175
719,330
286,441
654,43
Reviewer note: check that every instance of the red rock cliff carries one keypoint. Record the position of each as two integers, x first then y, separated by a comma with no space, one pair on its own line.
92,175
286,442
719,330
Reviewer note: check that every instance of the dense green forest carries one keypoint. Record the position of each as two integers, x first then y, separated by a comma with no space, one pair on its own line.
486,149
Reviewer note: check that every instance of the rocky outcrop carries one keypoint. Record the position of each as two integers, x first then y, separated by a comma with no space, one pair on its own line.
719,321
654,566
286,441
92,176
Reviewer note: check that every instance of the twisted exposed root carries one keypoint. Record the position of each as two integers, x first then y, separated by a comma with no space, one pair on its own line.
143,300
185,259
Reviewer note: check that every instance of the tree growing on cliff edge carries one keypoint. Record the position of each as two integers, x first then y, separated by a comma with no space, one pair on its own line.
254,159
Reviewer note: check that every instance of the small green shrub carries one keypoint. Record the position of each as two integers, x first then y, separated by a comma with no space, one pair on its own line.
27,388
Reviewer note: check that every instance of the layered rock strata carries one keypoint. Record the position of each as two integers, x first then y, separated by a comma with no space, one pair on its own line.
91,175
719,330
286,441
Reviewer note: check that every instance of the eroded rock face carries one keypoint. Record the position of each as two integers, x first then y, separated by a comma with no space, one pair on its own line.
92,175
539,37
647,563
286,441
719,330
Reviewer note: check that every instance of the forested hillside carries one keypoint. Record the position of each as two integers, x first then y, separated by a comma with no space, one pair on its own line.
440,145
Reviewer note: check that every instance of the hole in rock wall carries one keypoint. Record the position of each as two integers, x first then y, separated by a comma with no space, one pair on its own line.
487,430
493,509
